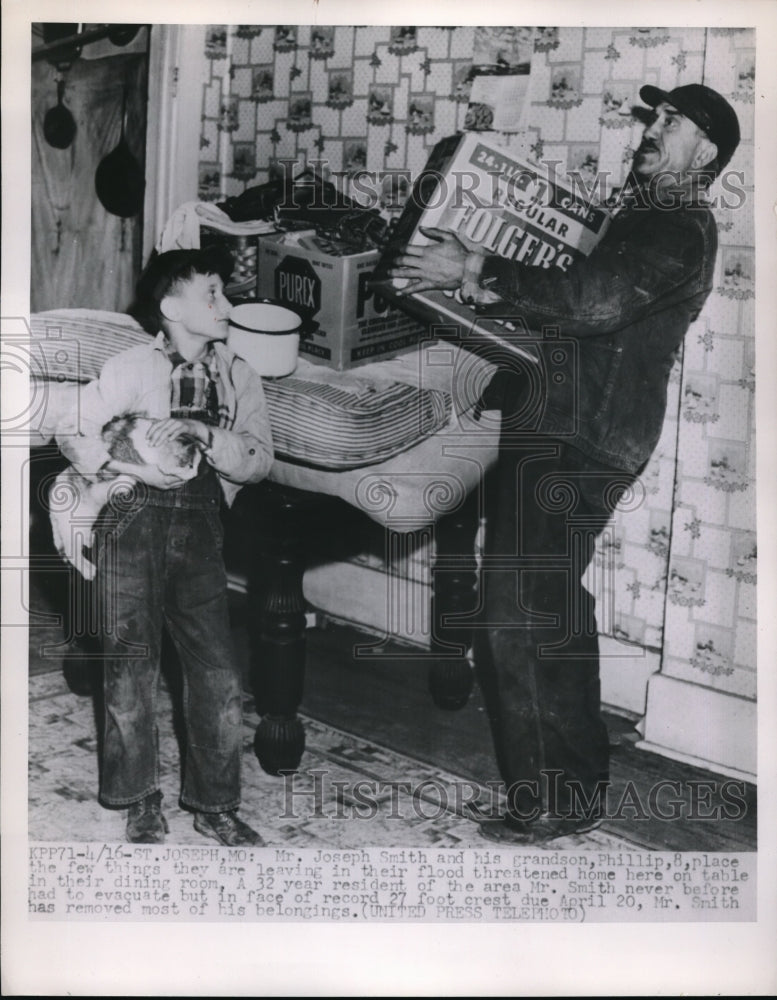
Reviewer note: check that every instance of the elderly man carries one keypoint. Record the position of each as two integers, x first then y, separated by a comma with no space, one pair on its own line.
574,443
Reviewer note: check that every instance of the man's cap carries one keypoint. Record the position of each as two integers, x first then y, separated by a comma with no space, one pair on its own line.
706,108
164,269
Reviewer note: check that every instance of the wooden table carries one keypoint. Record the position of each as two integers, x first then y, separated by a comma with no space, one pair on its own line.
435,486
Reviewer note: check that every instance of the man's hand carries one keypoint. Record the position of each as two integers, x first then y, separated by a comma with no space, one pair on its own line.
173,428
439,265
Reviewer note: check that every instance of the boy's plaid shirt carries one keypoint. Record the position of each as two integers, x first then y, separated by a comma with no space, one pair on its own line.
194,389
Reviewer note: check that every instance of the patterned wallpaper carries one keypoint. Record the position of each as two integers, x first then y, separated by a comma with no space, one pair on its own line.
378,98
711,607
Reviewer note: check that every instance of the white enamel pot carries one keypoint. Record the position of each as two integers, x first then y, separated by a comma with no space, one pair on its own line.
266,334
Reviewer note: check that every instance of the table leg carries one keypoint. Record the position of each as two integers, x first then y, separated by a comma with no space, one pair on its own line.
279,646
280,521
454,582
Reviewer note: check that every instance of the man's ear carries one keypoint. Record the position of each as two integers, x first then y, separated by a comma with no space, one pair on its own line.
170,308
705,153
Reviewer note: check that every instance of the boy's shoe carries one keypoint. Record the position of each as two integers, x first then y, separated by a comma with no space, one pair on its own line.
227,828
146,823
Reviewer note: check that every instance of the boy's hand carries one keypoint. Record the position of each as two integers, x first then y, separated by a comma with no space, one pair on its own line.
175,427
151,475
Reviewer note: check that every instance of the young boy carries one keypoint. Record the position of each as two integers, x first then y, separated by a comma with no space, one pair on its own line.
160,547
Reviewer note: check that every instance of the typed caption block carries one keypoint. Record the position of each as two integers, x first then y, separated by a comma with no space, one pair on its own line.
131,882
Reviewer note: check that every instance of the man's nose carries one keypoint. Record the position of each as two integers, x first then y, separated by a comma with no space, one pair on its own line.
653,130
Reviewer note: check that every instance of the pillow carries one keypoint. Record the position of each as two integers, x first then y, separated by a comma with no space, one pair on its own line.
325,419
74,344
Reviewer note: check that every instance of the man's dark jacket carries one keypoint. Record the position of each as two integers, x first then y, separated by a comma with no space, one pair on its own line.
624,311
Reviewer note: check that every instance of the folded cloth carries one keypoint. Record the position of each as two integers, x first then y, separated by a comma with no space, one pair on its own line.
211,215
75,503
182,229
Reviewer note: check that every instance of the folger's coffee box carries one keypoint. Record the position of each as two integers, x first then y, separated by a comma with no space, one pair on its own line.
506,205
322,282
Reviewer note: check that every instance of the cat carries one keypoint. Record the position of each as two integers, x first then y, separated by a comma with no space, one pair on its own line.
75,500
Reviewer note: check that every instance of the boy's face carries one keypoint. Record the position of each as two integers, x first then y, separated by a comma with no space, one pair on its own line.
200,307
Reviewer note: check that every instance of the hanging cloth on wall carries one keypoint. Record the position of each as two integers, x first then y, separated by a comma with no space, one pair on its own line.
57,178
81,255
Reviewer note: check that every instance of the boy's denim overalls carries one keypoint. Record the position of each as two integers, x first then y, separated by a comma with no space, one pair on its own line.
161,559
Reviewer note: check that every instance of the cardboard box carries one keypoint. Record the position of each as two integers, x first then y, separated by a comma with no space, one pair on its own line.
355,325
508,206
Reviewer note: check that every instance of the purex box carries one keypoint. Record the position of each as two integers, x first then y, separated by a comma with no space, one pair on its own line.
509,207
355,324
